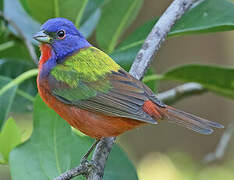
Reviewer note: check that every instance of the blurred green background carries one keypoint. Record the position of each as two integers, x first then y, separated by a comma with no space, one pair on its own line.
166,151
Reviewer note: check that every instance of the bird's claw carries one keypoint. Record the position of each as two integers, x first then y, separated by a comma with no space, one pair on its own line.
90,166
87,163
84,161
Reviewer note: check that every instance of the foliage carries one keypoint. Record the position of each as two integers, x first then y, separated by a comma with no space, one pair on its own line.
10,137
53,148
6,99
113,23
215,78
43,155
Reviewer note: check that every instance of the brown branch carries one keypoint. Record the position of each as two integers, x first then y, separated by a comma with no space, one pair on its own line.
138,69
27,43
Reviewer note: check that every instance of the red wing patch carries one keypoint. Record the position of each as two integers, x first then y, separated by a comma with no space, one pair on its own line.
150,108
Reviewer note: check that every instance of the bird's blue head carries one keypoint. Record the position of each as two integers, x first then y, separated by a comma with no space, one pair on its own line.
62,35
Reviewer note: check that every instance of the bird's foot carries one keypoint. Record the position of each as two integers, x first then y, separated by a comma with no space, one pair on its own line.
84,159
90,166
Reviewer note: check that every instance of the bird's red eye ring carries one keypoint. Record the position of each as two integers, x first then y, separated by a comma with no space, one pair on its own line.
61,34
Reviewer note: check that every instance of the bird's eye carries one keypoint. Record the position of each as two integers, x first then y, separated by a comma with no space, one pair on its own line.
61,34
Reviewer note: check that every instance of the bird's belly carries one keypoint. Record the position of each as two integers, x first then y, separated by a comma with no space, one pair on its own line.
93,124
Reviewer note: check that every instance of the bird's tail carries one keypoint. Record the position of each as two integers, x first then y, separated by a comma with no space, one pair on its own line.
190,121
185,119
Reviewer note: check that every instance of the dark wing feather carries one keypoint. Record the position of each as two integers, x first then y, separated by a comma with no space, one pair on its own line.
125,98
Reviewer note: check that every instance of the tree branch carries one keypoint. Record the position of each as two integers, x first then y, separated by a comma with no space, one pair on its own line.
221,147
82,169
157,36
27,43
100,156
145,56
96,165
138,69
180,92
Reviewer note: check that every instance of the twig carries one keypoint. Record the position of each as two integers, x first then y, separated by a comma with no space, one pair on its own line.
139,67
180,92
27,43
221,147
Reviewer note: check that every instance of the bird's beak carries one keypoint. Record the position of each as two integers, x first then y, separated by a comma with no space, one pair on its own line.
42,37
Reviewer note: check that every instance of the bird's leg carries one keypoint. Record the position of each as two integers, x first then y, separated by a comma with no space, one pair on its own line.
85,157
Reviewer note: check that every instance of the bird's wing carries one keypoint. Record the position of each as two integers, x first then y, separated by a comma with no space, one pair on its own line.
114,92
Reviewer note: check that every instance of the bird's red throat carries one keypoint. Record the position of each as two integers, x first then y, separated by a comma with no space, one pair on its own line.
46,52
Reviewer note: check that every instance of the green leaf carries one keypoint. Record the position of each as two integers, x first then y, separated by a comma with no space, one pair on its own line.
16,50
6,45
116,17
119,167
135,40
1,5
202,18
208,16
25,5
126,52
91,7
91,16
126,57
12,69
53,148
10,137
88,26
43,10
13,10
215,78
85,13
6,99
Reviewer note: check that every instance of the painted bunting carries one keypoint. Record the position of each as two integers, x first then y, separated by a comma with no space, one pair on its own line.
93,93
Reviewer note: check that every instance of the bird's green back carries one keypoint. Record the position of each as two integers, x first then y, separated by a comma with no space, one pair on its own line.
92,81
84,73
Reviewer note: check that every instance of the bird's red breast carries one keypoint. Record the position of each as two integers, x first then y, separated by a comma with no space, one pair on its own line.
93,124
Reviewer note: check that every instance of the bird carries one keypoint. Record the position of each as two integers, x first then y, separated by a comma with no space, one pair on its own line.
89,90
